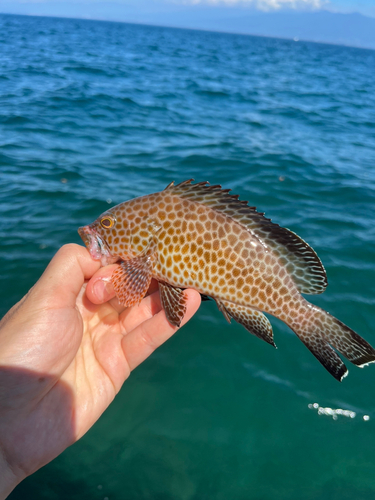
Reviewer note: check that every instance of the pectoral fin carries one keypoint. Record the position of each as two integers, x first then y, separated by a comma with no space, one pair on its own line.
132,279
173,301
254,321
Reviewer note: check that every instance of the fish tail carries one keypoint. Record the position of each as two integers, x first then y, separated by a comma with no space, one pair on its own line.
321,331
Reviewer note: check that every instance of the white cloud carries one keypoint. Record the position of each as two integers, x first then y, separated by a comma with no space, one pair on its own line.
263,4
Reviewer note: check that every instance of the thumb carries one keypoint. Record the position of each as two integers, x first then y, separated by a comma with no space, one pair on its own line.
63,278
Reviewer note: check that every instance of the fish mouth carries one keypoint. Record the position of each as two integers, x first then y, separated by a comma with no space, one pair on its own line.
97,247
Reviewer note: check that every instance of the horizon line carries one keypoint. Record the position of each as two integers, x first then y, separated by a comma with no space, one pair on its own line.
206,30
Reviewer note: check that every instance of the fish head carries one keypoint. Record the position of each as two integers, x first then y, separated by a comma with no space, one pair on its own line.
108,238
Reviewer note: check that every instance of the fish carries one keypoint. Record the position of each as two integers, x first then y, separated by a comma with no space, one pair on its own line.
202,237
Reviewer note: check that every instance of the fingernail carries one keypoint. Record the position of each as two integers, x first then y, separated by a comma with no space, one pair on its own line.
103,290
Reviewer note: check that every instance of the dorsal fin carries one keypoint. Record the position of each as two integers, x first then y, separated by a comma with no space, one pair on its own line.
299,258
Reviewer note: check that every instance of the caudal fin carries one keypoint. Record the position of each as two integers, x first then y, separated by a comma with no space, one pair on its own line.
323,331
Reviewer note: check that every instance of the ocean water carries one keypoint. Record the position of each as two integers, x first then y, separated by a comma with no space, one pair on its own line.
94,113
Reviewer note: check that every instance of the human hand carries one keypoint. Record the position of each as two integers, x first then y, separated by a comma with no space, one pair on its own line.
65,350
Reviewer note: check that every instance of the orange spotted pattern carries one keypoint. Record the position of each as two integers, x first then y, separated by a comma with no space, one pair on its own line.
194,244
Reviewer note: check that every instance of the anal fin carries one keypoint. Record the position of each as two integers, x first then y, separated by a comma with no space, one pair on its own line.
223,310
173,301
254,321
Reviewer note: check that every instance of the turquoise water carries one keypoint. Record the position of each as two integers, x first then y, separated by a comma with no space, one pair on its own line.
94,113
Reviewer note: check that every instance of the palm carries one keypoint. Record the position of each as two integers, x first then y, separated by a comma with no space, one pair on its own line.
99,367
79,379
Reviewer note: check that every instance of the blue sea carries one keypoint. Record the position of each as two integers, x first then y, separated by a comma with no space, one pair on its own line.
94,113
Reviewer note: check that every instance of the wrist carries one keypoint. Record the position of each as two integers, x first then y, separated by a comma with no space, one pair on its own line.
8,478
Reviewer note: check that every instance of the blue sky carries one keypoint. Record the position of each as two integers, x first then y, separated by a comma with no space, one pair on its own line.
138,10
366,7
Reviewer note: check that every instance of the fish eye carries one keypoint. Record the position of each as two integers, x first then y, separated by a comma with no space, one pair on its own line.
107,222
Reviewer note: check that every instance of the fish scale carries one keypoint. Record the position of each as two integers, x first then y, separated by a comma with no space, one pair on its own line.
199,236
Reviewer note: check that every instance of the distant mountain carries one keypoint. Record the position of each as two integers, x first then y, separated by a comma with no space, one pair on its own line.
322,26
318,26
